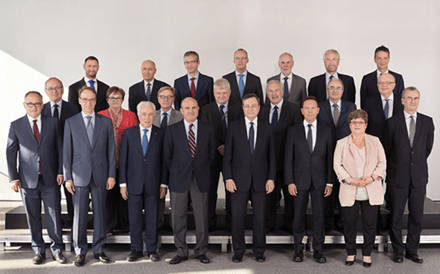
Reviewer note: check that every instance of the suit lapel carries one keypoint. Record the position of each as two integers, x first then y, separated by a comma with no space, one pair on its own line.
152,140
28,128
243,133
185,83
283,115
327,110
42,129
304,138
200,84
419,128
183,138
259,136
96,129
138,141
318,137
404,129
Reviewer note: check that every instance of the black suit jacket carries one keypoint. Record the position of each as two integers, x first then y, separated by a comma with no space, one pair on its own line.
210,114
369,86
67,111
318,88
325,116
290,115
101,100
405,164
204,94
136,94
252,85
376,116
303,168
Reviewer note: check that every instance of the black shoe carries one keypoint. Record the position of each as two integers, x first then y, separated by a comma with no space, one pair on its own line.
236,258
211,229
154,257
298,256
259,257
398,258
102,258
177,259
79,260
39,258
366,264
269,229
319,256
414,257
134,255
59,257
350,263
203,259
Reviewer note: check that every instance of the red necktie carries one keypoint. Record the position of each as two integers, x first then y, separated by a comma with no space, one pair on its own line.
37,137
193,88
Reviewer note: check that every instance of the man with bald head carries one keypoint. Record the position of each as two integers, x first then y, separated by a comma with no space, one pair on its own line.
145,90
294,86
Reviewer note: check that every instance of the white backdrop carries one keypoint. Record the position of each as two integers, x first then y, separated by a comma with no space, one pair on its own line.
47,38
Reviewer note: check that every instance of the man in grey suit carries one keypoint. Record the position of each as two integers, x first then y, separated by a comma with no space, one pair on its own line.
37,141
89,160
294,85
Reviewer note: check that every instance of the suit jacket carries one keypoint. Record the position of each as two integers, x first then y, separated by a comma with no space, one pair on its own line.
136,94
376,116
325,116
303,168
252,85
211,115
178,160
345,167
67,111
101,100
175,117
297,92
290,115
137,170
369,86
204,94
318,88
81,160
240,165
48,152
408,165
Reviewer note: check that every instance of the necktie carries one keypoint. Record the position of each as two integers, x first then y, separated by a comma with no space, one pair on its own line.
412,130
331,78
386,109
310,137
241,85
145,141
148,92
55,112
164,122
275,118
286,89
336,113
37,137
90,129
223,122
92,83
193,87
251,138
192,141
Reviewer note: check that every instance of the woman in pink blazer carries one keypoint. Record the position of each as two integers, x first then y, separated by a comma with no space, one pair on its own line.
360,164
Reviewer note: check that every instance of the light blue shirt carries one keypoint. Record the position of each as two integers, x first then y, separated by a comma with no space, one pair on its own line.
237,75
196,80
225,110
86,121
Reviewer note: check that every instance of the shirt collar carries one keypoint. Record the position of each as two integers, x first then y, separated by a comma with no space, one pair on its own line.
146,83
87,80
306,124
85,115
195,124
407,115
378,73
31,120
195,76
278,105
255,121
142,128
59,103
167,112
327,76
225,104
338,103
244,73
391,98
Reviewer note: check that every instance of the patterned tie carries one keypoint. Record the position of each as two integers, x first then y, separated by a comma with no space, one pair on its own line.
92,83
223,122
192,141
55,112
275,118
145,141
412,130
251,137
90,129
164,122
241,85
336,113
148,92
37,137
386,109
286,89
193,87
310,138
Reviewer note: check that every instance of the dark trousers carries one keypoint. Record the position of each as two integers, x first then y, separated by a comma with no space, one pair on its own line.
69,203
212,204
416,198
117,208
51,198
272,200
369,219
332,203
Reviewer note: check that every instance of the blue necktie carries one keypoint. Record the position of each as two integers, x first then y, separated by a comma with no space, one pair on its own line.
148,92
251,138
90,129
92,83
275,118
286,89
145,142
386,109
55,112
164,122
241,85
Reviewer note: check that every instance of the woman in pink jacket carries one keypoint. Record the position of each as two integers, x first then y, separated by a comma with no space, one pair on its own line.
360,164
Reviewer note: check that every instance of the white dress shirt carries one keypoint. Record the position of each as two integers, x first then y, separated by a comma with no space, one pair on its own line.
306,128
95,83
196,80
272,108
146,85
408,120
248,126
390,105
52,108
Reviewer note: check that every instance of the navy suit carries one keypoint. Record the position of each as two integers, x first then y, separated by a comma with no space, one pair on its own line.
101,100
136,94
203,94
142,174
369,86
35,187
318,88
252,85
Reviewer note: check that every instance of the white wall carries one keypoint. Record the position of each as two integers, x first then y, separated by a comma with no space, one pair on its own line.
52,38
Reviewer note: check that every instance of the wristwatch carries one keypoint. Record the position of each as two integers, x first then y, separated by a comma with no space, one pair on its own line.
347,181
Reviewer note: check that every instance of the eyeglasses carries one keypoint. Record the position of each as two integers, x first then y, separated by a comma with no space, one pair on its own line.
240,58
361,123
88,100
53,89
333,88
385,83
163,97
114,98
189,62
31,105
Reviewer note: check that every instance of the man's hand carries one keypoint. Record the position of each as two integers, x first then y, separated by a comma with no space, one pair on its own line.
221,149
292,189
328,191
60,179
270,185
124,193
110,183
16,186
230,186
163,192
70,187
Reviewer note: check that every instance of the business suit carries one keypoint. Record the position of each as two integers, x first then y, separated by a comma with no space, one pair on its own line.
189,175
369,86
142,174
32,155
310,172
101,100
211,115
136,94
89,166
318,87
297,91
252,85
203,93
250,172
407,176
290,114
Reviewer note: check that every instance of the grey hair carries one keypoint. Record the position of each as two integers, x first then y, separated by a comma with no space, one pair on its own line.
339,80
275,81
286,53
331,51
145,103
412,88
52,78
222,83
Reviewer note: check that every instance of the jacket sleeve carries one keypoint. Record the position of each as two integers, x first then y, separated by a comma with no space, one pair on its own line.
338,161
289,158
67,152
11,154
381,166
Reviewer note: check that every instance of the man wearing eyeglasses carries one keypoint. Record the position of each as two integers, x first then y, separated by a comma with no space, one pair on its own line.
193,84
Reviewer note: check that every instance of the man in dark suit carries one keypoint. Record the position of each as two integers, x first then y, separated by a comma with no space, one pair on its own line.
189,148
408,141
194,84
61,110
145,90
89,161
37,141
318,84
369,81
281,114
294,86
219,114
91,67
308,171
249,167
242,81
140,173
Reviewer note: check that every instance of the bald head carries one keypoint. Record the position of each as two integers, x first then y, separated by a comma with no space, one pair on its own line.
286,63
148,70
190,109
386,84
